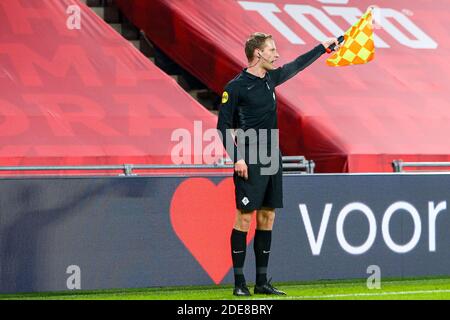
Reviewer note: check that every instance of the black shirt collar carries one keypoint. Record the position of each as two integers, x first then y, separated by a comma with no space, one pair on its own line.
252,76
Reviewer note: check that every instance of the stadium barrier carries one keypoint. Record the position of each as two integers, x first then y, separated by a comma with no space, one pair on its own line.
293,164
399,165
60,233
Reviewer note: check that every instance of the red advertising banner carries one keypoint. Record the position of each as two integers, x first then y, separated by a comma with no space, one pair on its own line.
349,119
73,91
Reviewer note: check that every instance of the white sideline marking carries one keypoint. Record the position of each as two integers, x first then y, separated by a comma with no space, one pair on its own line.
390,293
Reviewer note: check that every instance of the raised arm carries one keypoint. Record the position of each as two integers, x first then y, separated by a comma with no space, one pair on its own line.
290,69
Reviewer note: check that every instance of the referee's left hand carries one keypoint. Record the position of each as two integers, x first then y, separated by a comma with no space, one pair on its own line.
330,41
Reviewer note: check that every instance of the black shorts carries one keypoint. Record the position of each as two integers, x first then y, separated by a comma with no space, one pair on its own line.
259,190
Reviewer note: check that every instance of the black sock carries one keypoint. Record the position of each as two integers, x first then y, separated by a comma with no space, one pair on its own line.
238,250
261,245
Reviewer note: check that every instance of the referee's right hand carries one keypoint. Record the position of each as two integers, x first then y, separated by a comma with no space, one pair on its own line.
240,167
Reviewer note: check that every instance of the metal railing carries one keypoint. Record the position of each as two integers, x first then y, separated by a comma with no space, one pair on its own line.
399,165
295,163
292,164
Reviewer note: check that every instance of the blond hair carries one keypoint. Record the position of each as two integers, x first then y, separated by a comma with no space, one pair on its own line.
256,40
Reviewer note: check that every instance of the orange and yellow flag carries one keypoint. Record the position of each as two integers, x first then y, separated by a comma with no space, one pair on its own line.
358,47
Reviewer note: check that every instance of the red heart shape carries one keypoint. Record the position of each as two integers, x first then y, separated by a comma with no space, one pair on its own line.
202,215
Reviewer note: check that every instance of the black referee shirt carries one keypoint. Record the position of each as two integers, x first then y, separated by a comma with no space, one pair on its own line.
249,102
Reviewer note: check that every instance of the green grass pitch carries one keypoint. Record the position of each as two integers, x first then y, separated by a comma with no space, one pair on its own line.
394,289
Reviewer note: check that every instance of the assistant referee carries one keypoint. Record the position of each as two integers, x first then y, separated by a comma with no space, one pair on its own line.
249,104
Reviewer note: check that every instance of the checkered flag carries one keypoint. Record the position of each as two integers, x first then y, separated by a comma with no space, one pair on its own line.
358,47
